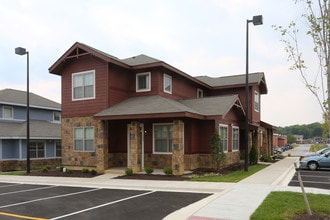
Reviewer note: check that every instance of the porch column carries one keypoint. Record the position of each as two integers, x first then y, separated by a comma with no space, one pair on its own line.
101,146
178,148
136,146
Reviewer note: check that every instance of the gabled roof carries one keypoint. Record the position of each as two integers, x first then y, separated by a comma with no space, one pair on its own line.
38,130
17,97
133,63
158,107
235,81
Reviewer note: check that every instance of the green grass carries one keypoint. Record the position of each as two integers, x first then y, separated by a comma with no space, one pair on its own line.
17,173
234,177
317,147
286,205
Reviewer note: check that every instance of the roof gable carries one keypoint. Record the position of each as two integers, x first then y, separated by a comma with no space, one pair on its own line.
235,81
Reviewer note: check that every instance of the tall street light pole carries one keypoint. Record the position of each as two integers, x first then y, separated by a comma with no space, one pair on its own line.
22,51
256,20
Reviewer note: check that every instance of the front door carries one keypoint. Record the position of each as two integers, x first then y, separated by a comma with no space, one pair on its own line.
141,133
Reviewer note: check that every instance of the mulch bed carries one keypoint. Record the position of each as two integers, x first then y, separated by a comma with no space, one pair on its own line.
311,217
58,173
153,177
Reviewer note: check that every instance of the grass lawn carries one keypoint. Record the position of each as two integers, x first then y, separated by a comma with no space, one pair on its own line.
286,205
233,177
21,172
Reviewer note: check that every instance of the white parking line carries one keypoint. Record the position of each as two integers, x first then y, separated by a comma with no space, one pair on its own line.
52,197
27,190
9,185
105,204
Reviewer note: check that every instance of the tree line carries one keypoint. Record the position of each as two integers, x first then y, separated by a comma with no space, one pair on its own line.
308,131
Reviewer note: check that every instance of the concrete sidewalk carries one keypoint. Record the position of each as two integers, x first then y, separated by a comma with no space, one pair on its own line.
229,200
241,200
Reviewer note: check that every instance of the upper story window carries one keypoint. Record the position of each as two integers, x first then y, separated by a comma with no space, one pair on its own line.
143,81
256,101
223,132
57,116
83,85
200,93
7,112
167,84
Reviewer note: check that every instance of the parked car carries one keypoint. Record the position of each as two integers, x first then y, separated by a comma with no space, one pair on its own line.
317,153
316,162
277,150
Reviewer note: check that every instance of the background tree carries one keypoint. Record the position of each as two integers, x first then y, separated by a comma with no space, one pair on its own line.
217,152
317,21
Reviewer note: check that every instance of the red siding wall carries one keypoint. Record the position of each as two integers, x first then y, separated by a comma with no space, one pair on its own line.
84,107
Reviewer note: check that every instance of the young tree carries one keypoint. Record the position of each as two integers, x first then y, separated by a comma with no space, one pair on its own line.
317,20
217,152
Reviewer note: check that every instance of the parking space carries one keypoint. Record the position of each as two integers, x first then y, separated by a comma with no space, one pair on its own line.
26,201
316,179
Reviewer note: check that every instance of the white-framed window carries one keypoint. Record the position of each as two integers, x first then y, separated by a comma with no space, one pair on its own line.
256,101
84,139
223,132
167,83
235,138
162,138
58,149
37,149
83,85
200,93
143,82
57,116
7,112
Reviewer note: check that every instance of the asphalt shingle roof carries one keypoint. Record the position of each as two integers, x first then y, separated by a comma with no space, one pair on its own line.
38,130
218,105
18,97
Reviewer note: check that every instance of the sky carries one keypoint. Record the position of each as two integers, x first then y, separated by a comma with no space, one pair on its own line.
199,37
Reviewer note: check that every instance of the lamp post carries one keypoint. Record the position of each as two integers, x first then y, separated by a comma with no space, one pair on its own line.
256,20
22,51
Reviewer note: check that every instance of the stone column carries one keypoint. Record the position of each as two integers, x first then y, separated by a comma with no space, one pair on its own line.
178,148
101,146
136,146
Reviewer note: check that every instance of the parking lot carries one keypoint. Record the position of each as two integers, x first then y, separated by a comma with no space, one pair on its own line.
29,201
316,179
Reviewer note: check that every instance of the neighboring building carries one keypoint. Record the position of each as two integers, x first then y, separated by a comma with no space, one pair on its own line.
299,138
279,140
141,111
45,131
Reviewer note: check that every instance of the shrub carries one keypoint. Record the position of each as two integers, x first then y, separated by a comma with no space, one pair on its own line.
61,168
217,152
85,170
266,159
93,172
68,171
253,155
44,169
168,170
149,170
129,171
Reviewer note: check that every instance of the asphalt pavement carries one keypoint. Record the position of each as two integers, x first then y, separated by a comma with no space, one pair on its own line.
229,200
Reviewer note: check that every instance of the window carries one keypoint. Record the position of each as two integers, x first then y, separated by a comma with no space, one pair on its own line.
163,138
143,82
7,112
58,149
199,93
235,138
84,139
37,149
256,101
57,116
167,84
83,85
223,132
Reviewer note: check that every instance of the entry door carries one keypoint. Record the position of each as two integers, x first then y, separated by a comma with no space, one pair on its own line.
129,145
